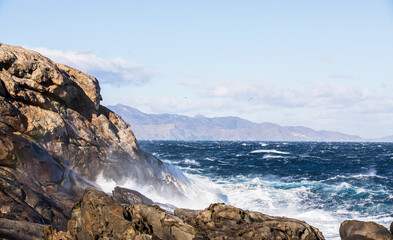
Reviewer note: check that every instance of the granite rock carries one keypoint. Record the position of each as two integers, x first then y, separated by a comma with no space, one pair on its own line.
97,216
353,229
56,140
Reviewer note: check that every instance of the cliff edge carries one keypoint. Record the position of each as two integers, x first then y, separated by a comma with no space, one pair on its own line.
56,138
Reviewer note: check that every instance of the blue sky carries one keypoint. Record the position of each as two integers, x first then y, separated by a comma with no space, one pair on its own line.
322,64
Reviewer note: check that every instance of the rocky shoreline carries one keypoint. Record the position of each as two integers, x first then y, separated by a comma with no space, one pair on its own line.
56,139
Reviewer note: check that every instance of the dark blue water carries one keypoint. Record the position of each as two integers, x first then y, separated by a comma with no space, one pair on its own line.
321,183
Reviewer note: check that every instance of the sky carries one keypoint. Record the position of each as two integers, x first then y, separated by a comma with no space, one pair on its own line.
327,65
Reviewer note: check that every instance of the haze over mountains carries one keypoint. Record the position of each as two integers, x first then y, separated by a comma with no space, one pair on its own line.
179,127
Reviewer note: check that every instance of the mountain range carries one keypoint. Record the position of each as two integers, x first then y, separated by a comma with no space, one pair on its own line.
179,127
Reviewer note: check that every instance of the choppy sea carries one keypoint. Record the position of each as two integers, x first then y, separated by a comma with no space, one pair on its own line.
320,183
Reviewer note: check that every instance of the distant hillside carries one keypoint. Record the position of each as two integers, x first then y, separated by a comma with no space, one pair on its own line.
178,127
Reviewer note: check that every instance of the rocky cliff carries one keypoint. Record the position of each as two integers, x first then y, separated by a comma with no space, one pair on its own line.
56,138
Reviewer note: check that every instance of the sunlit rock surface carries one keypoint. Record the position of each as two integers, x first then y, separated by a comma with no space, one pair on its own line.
97,216
55,138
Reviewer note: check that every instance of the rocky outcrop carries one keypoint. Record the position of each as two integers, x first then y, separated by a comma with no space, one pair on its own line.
220,221
353,230
55,138
97,216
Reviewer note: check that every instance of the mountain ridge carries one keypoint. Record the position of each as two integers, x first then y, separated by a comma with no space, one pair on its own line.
179,127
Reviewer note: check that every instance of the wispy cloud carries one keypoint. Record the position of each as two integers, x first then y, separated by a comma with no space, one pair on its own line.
115,71
315,95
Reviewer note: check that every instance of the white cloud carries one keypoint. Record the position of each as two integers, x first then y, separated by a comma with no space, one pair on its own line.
314,95
115,71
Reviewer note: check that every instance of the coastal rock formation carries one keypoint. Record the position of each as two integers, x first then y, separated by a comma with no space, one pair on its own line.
97,216
55,138
352,230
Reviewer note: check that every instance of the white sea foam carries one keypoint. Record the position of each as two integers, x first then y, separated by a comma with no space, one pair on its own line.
197,193
191,161
267,156
269,195
269,151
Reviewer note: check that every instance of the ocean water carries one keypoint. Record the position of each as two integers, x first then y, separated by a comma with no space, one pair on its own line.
320,183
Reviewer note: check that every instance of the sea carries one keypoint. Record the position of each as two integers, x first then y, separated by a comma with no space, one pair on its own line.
322,183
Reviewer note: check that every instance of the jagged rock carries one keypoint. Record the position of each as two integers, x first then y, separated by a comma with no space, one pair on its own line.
129,197
97,216
11,229
353,229
58,107
55,137
220,221
186,214
35,186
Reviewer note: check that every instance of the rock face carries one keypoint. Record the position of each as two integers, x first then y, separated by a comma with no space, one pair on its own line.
97,216
352,229
55,137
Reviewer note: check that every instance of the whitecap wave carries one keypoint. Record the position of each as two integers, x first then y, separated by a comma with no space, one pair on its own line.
191,161
269,151
269,156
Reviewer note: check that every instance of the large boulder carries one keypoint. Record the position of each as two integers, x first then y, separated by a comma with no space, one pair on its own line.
353,229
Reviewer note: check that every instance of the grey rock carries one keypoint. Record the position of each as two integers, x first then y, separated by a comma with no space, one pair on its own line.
129,197
11,229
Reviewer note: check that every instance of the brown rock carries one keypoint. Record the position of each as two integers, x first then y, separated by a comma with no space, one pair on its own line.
54,135
220,221
97,216
352,229
186,214
58,108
